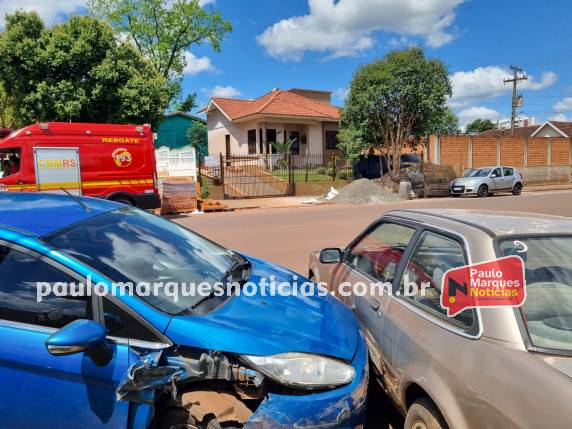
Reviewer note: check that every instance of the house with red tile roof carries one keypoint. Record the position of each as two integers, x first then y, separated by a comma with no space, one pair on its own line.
247,127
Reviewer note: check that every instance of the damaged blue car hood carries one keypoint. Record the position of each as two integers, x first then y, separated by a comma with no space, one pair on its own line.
269,325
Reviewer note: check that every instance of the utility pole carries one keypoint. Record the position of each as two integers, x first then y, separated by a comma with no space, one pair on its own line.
516,100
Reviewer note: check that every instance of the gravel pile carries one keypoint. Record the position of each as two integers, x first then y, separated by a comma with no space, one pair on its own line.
364,191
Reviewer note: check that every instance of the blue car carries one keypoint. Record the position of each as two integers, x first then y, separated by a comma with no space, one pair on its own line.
78,350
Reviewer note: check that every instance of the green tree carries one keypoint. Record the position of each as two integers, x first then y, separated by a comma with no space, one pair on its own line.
197,137
76,71
445,123
7,118
163,30
188,104
284,148
480,125
392,102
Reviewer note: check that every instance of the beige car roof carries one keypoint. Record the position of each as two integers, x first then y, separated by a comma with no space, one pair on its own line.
495,222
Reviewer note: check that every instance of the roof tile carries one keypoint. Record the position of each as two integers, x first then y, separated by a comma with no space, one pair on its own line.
278,103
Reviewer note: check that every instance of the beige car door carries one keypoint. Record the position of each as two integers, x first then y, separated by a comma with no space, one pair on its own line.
365,278
420,340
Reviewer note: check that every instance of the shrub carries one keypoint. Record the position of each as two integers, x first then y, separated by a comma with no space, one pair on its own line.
321,171
205,189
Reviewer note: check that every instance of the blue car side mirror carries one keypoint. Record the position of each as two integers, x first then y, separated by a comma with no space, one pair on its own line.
77,337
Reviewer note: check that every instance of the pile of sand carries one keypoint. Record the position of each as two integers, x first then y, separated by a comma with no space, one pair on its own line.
365,191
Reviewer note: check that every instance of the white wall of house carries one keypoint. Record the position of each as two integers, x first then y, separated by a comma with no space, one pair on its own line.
219,127
315,139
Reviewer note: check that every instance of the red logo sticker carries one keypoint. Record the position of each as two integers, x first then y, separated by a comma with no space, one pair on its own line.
122,157
497,283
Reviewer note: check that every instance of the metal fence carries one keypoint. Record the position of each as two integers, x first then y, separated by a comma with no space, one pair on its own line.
250,176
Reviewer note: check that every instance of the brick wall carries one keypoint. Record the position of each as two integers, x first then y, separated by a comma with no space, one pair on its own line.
537,152
560,152
454,151
512,151
530,155
431,149
484,152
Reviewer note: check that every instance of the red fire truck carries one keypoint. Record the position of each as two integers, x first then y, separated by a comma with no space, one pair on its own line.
116,162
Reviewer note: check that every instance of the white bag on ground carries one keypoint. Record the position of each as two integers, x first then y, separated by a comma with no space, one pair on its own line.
332,194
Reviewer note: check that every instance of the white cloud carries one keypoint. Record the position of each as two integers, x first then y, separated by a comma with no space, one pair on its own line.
558,117
546,79
485,83
225,91
50,11
195,65
476,112
203,3
340,94
400,42
564,105
346,27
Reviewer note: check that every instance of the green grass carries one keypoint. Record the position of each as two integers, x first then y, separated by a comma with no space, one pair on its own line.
300,176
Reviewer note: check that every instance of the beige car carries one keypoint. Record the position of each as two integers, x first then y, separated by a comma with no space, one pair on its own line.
484,368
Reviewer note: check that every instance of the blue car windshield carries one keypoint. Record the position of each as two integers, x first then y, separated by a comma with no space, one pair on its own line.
129,245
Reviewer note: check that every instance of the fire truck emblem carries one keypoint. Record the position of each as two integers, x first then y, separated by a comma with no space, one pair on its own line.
122,157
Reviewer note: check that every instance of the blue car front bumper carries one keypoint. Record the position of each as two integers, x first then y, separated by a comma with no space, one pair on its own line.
339,408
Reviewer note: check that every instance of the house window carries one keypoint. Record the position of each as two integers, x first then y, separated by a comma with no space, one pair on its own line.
251,142
331,140
270,138
295,148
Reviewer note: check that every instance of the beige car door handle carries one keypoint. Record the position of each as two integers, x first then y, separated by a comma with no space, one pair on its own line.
374,304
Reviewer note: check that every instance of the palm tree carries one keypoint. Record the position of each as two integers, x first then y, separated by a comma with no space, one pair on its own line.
284,148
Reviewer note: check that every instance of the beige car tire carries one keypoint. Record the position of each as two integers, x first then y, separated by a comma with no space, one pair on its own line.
423,414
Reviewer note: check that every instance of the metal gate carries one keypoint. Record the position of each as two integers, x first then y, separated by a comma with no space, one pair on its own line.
273,175
255,176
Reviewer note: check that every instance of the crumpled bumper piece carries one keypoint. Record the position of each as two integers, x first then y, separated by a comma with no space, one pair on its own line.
339,408
145,376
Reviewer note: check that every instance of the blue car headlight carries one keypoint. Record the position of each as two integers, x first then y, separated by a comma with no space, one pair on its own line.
303,370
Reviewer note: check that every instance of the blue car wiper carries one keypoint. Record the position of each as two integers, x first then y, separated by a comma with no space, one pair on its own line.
238,267
241,265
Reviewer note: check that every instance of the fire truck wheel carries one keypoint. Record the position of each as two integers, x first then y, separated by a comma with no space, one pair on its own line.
122,200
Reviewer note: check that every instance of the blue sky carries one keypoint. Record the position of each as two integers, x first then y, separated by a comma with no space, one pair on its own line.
319,43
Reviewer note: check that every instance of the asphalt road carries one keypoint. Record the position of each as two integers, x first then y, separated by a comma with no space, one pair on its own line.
286,236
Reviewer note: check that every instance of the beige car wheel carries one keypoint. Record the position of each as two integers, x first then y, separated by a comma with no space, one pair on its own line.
423,414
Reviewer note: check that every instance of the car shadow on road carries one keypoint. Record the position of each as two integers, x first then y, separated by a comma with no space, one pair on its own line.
381,412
